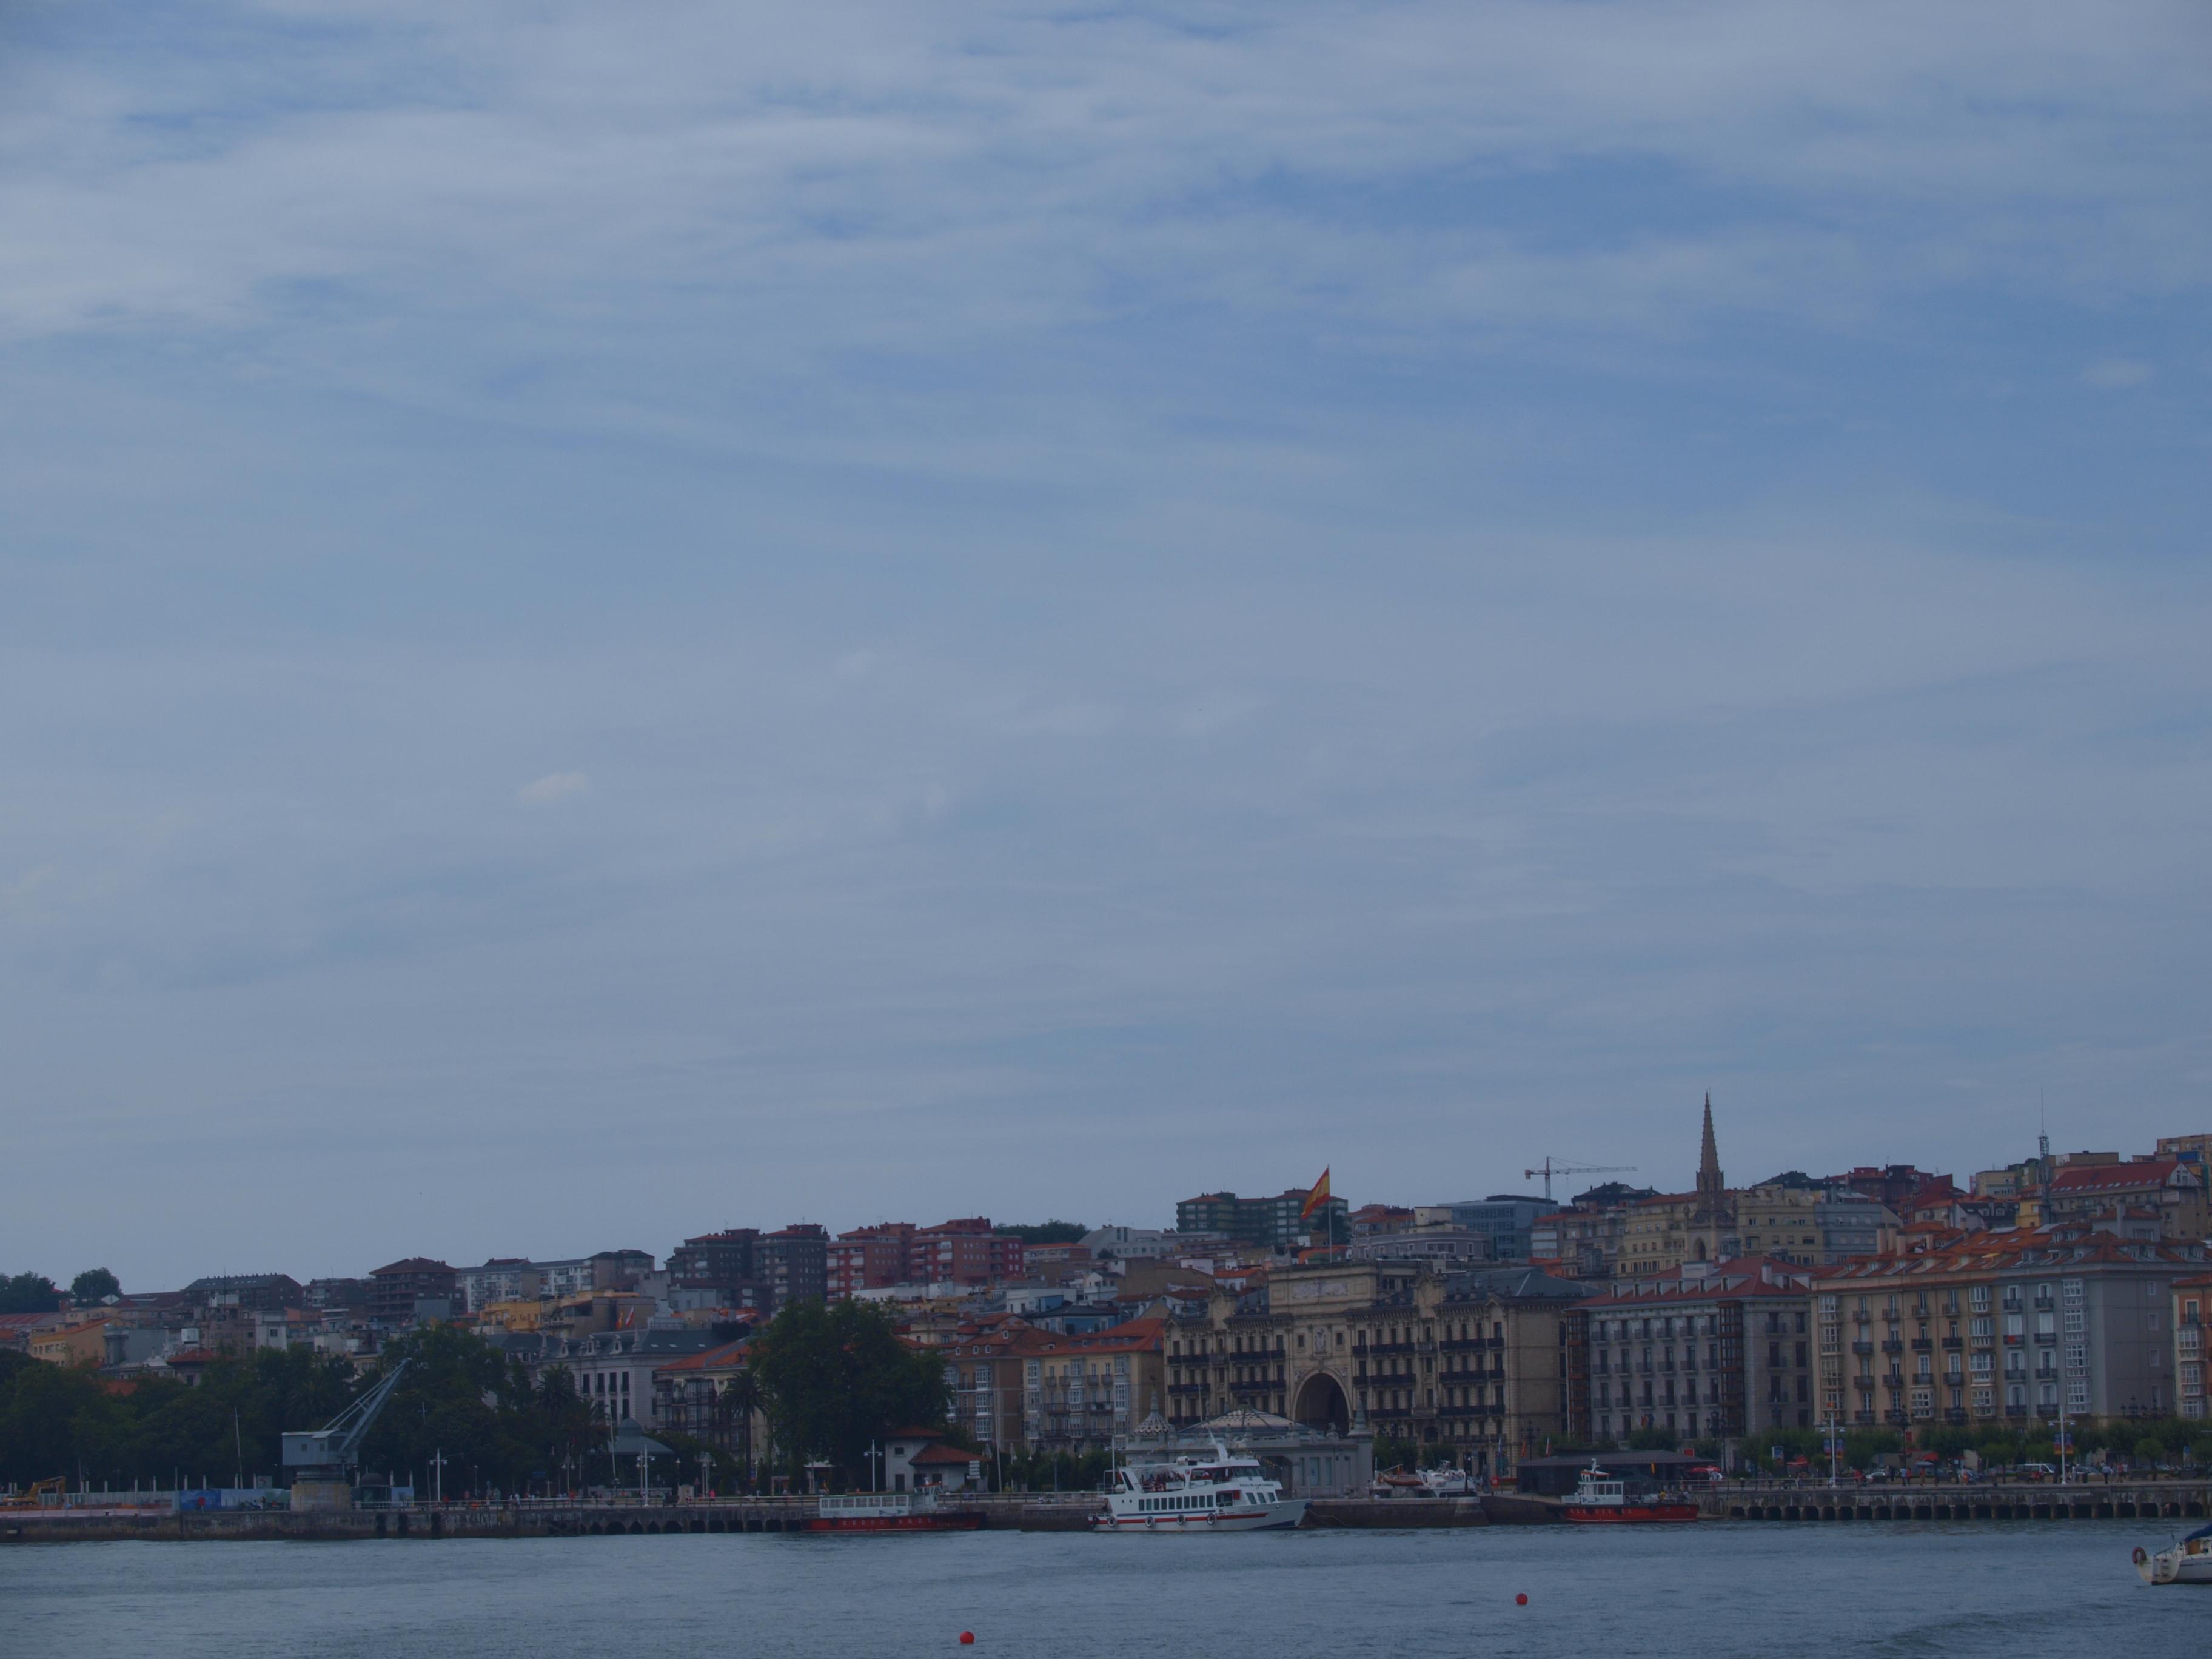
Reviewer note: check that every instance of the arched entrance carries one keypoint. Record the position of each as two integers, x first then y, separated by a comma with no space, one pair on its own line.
1321,1404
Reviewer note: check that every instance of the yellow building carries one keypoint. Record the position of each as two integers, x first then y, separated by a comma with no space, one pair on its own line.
521,1314
84,1343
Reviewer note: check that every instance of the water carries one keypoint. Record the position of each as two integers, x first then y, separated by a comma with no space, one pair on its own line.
1716,1591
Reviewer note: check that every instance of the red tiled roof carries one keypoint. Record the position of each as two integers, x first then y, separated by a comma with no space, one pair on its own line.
1735,1278
938,1452
1985,1252
2115,1177
730,1353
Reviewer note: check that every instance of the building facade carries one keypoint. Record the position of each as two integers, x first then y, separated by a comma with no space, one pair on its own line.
1481,1366
395,1288
1711,1350
794,1265
2097,1195
1270,1224
2192,1301
2003,1327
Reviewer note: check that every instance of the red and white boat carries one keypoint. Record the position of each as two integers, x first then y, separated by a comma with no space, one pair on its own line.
1599,1499
891,1511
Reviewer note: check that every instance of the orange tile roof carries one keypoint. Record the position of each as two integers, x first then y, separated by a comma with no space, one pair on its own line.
730,1353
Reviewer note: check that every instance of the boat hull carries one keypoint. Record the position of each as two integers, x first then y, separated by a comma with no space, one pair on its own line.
2174,1567
1275,1517
1631,1514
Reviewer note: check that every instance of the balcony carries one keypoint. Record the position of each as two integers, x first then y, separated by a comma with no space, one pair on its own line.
1892,1344
2015,1411
2045,1304
1863,1348
2046,1339
1955,1414
1921,1345
1952,1342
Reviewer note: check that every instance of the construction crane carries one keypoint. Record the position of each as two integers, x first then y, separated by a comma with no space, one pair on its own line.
1552,1166
332,1452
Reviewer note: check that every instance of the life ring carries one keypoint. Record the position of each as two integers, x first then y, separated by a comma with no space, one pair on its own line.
2140,1557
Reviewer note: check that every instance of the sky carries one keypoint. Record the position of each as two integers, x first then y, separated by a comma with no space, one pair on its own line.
622,620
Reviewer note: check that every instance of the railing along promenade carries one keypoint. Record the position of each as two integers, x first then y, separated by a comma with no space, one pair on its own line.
91,1516
87,1517
2086,1498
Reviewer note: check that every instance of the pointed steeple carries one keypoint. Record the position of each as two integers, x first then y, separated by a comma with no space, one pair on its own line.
1712,1191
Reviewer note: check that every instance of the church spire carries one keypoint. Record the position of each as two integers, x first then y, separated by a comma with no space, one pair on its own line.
1712,1191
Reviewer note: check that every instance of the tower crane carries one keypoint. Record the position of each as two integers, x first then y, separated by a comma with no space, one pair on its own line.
329,1455
1552,1166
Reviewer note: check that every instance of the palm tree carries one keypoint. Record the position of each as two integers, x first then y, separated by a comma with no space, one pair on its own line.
739,1399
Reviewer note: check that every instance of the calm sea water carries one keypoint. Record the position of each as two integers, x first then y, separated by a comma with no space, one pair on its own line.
1714,1589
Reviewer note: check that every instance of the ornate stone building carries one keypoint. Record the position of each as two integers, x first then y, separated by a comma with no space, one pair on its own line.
1481,1366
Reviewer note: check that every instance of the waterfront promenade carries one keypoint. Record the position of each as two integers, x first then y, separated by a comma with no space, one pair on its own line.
93,1521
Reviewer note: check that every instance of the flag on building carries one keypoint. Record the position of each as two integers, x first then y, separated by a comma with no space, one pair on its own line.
1315,1199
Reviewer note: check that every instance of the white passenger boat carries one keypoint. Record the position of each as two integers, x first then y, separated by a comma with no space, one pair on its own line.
2189,1562
1220,1493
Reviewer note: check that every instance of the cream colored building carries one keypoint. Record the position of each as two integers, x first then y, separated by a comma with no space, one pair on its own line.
2017,1325
1478,1364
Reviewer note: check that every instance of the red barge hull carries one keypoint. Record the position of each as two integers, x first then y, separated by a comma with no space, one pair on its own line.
1631,1514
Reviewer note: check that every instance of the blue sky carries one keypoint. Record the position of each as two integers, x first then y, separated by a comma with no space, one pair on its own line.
625,620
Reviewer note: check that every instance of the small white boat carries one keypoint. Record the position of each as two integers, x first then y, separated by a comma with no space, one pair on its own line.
2189,1562
1421,1483
1221,1493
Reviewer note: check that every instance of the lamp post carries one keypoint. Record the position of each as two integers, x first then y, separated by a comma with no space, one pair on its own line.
438,1476
874,1456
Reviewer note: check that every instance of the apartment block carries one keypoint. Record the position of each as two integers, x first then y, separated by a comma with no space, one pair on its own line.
2005,1326
1718,1350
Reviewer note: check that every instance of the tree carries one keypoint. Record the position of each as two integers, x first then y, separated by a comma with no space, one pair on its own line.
93,1284
1397,1452
1046,1232
734,1408
834,1378
29,1293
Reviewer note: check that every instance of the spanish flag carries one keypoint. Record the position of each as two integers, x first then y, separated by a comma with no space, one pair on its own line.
1315,1199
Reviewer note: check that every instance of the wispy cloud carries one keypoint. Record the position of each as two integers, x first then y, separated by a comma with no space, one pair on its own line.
2118,374
553,787
1164,576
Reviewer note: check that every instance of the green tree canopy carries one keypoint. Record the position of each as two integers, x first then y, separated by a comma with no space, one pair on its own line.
833,1378
1046,1232
93,1284
29,1293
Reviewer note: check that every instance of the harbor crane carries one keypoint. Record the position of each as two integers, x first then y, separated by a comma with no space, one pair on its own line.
330,1454
1552,1166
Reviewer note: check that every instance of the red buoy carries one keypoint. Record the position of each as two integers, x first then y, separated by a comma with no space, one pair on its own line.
1522,1600
967,1638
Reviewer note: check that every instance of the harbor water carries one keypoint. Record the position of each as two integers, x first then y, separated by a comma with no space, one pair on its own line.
1717,1589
